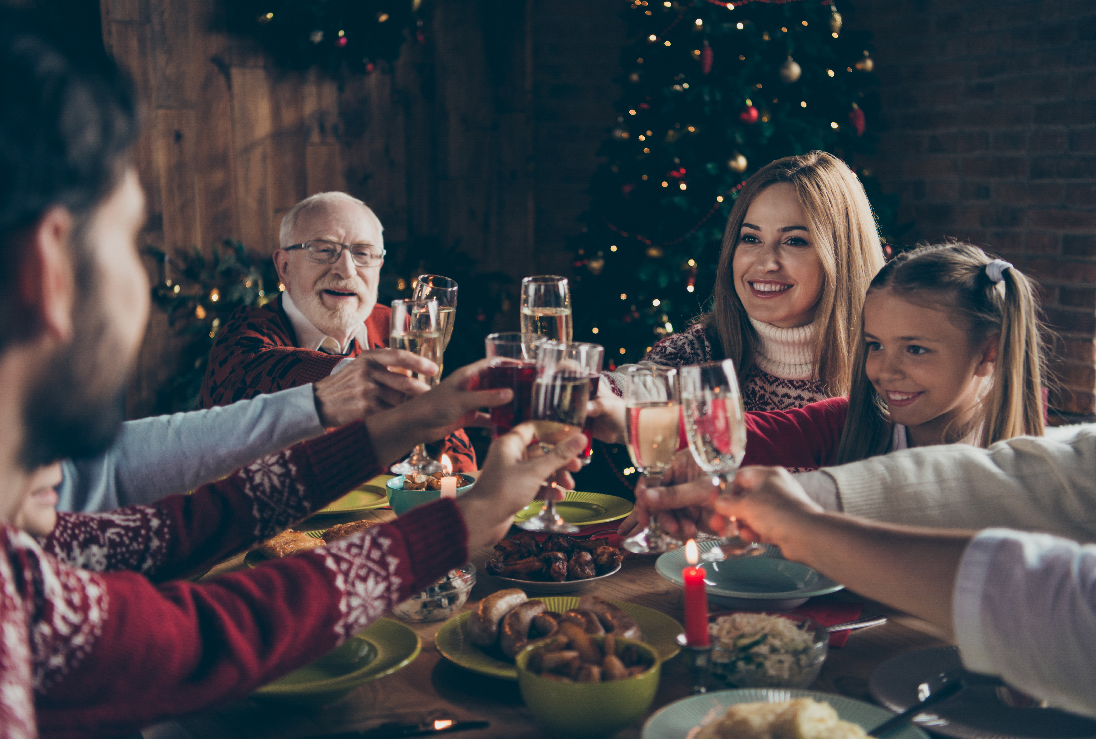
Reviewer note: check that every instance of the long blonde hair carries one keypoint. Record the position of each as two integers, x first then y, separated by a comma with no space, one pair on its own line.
847,239
953,277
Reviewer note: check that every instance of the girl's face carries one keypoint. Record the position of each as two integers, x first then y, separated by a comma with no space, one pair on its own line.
923,366
777,273
38,515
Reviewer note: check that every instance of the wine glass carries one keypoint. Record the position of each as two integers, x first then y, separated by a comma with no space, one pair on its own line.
546,307
416,328
511,363
653,422
564,372
443,290
716,429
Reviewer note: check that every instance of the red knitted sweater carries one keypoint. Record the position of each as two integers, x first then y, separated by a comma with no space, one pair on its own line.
255,353
104,652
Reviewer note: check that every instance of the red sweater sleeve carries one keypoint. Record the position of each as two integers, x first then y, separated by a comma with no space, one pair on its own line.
113,652
182,534
803,438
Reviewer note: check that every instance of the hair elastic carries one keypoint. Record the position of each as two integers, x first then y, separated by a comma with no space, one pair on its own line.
996,269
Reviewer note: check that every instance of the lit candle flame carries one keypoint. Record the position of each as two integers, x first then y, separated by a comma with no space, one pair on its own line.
692,554
446,465
443,723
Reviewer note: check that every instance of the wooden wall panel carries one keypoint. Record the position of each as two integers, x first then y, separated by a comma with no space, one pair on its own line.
443,143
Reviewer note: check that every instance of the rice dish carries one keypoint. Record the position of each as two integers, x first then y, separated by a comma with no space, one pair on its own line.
759,650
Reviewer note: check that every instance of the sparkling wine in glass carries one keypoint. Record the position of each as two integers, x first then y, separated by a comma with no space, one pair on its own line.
653,422
716,429
546,307
415,328
443,290
561,391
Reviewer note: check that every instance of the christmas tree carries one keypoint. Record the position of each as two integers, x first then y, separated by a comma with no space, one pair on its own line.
713,91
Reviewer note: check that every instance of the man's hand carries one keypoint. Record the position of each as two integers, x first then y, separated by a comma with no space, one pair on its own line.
434,415
682,501
368,384
606,414
510,479
771,504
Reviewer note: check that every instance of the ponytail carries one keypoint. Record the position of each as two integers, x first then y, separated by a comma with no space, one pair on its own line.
988,296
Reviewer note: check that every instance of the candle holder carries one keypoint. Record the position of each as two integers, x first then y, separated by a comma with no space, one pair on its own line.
699,659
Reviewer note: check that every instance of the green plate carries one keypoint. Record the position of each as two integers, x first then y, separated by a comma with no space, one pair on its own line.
583,509
659,630
681,718
369,496
380,650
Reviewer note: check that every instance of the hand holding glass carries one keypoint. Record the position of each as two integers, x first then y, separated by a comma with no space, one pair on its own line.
716,429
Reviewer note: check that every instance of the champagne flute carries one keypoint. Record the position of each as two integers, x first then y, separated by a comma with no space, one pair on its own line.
560,395
417,329
443,290
546,307
716,430
653,421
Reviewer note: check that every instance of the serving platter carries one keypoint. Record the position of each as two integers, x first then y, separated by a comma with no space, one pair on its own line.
767,581
583,509
383,648
550,586
453,642
681,718
977,712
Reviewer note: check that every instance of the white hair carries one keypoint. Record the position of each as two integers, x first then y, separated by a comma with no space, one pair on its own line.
319,200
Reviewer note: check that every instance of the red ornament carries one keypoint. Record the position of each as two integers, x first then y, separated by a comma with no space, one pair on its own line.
677,174
749,115
856,118
707,56
342,41
644,106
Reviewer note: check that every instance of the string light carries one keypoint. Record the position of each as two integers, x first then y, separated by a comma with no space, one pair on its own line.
628,470
612,248
829,72
622,350
699,22
656,302
623,296
741,26
692,262
214,295
690,288
665,183
681,185
631,112
833,124
803,104
593,330
719,198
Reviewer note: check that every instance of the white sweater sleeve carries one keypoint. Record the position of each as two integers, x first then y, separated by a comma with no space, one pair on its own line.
163,455
1032,484
1025,609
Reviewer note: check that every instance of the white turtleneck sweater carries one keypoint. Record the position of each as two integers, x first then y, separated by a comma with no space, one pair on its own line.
783,375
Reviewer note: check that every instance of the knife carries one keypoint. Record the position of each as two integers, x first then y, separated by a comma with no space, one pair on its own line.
396,730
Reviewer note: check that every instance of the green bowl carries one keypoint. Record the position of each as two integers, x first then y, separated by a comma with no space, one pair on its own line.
404,500
589,709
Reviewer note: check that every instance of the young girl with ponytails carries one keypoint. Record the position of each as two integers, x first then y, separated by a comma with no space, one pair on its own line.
951,352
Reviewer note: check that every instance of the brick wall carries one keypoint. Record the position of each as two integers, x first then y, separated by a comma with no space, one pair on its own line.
989,135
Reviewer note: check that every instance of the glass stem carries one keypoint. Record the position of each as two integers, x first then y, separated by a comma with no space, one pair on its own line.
723,482
654,479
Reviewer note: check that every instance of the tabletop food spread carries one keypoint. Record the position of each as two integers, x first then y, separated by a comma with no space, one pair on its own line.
452,657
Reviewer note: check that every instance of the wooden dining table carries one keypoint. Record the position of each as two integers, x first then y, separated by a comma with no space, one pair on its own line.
432,688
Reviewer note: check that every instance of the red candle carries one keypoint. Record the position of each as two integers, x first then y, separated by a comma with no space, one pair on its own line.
696,599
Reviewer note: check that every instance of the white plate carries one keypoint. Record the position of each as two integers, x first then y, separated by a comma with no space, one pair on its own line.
552,587
976,713
766,581
677,720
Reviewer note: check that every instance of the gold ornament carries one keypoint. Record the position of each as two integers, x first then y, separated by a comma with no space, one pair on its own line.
835,21
654,252
866,64
790,71
737,163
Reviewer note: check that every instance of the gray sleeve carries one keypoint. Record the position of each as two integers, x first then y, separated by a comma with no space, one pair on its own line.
163,455
1027,483
1025,609
820,488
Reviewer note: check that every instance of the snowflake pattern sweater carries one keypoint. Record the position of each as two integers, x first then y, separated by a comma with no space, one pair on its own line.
91,645
256,353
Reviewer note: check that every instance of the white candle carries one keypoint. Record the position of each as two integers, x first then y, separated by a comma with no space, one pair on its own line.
449,487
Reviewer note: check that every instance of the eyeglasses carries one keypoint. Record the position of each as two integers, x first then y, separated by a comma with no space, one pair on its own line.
329,252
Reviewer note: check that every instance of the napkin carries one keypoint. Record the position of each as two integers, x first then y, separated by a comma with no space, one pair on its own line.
829,613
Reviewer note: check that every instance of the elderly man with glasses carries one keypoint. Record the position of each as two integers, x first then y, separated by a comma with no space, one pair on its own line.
325,323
